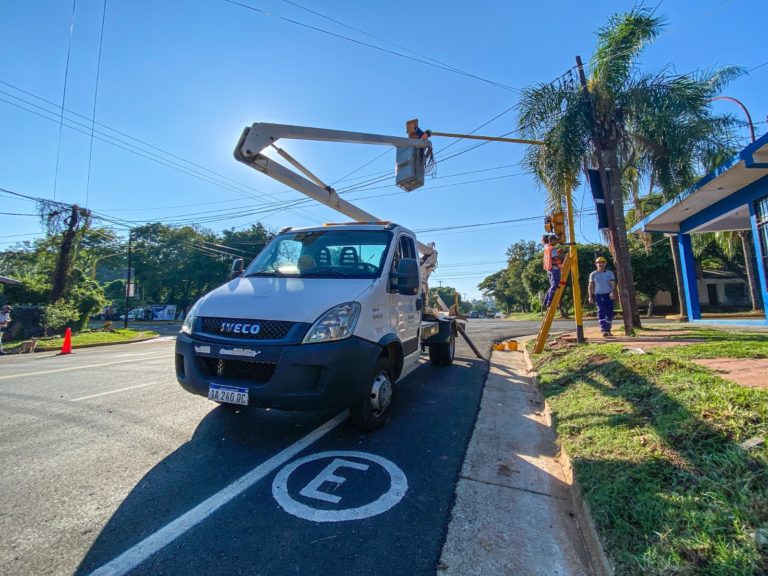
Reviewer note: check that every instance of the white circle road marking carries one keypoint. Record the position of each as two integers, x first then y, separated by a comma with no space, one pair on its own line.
398,488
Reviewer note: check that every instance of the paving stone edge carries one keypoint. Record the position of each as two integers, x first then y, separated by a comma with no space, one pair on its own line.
594,544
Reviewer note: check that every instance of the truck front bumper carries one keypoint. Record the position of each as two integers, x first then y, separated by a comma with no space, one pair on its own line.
301,377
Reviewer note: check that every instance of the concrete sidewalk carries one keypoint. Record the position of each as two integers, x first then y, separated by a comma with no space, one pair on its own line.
516,511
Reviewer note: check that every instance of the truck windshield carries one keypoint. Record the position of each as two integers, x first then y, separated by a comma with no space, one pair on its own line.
331,253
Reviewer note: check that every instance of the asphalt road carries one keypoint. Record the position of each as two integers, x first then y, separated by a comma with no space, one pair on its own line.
108,466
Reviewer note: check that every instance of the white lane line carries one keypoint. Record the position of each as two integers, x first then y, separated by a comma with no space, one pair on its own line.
153,543
113,391
55,370
132,354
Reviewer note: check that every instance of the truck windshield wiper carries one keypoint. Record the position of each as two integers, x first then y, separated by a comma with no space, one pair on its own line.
327,272
264,273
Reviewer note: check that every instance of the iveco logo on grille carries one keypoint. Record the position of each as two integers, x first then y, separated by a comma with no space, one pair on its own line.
240,328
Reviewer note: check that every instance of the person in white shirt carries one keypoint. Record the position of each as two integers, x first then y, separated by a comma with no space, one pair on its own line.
5,319
602,290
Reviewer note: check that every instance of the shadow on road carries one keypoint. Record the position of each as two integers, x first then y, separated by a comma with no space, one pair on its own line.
224,446
427,435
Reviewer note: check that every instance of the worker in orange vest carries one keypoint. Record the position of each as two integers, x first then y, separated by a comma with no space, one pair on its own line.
553,263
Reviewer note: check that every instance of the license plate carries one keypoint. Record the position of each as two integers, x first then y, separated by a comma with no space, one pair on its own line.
228,394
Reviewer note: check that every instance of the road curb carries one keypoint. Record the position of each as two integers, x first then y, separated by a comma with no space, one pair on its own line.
592,541
96,345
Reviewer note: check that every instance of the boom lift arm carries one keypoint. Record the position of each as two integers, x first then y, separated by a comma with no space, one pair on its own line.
260,135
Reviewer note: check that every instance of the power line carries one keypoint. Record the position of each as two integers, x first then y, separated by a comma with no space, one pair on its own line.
424,61
95,100
197,171
64,97
461,226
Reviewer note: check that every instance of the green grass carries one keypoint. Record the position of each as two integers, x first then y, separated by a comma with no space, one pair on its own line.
654,443
524,316
86,338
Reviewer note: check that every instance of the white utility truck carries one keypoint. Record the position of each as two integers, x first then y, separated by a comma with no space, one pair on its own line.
324,317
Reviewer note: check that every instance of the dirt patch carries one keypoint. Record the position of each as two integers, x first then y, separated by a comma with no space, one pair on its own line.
745,371
599,359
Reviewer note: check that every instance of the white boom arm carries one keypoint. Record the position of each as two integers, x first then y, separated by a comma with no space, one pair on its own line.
261,135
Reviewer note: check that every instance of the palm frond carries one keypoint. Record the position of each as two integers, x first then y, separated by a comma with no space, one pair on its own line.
620,42
540,108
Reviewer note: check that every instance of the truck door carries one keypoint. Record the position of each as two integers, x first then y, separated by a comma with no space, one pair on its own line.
404,313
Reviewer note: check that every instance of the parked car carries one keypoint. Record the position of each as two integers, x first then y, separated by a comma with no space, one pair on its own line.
498,315
474,314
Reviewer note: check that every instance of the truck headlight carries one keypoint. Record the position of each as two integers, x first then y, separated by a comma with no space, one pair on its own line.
336,324
189,321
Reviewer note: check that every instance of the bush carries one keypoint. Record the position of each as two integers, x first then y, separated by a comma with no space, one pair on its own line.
88,300
57,316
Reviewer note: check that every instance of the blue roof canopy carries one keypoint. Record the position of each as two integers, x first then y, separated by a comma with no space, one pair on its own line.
745,168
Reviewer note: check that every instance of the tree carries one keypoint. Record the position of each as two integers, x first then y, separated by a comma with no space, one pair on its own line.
61,261
177,265
659,124
448,294
506,286
494,286
70,221
655,271
246,243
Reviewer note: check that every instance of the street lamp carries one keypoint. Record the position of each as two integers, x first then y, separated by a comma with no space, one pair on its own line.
746,113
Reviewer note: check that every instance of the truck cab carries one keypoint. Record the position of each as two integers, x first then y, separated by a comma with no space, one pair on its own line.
324,317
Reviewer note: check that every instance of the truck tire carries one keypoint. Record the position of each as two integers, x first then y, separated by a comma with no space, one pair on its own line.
441,354
372,411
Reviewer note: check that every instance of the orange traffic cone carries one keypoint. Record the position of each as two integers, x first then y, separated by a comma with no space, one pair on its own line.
67,346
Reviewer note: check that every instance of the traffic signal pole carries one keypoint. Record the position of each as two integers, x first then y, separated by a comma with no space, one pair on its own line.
128,284
571,263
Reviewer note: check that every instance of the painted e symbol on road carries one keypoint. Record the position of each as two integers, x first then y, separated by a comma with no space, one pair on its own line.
330,478
327,475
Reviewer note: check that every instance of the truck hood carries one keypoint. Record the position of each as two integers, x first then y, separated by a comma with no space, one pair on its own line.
290,299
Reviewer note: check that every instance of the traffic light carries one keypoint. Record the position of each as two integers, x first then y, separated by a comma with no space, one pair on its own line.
558,223
555,224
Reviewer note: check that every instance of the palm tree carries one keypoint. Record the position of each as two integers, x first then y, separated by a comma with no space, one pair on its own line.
657,127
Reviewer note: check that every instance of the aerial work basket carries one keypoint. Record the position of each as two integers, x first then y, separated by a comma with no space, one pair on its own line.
413,163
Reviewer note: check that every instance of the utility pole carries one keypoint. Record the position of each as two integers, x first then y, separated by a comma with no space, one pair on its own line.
128,283
64,262
625,297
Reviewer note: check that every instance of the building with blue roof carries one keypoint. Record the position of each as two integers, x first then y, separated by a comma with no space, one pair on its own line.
732,197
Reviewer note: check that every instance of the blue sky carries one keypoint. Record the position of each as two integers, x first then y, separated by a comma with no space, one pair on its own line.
184,78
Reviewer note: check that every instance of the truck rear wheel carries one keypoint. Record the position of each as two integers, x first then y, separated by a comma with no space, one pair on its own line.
371,412
442,353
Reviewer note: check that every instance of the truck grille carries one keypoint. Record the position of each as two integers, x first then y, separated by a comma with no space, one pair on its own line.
238,370
267,329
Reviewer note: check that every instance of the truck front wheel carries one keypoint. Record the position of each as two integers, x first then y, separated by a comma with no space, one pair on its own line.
371,412
442,353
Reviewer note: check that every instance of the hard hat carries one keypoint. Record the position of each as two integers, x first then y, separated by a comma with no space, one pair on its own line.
600,259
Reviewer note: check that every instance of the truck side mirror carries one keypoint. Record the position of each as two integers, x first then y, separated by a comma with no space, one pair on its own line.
237,268
405,280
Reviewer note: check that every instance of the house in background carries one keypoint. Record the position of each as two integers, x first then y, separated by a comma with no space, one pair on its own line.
733,197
